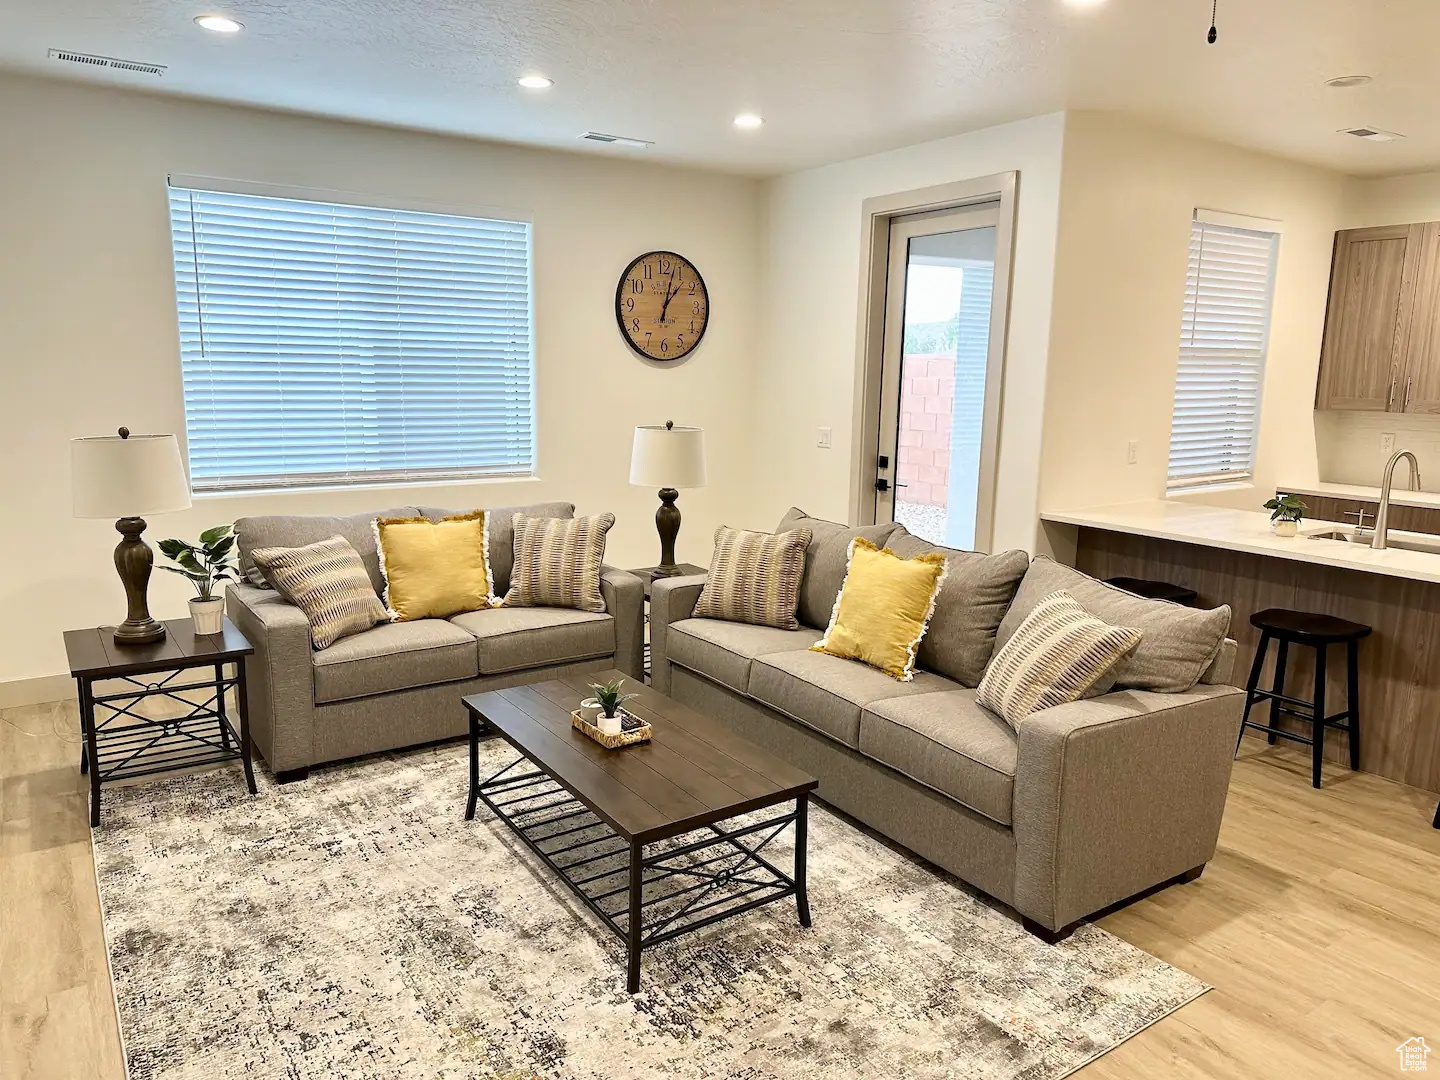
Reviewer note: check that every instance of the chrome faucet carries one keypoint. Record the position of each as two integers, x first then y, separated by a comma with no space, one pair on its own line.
1382,515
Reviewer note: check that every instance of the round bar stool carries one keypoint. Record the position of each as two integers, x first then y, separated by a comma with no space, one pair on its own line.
1318,632
1155,590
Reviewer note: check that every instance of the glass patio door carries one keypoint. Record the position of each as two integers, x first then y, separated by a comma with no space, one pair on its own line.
939,403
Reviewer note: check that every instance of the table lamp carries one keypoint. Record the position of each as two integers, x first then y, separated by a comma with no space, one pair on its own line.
668,457
123,476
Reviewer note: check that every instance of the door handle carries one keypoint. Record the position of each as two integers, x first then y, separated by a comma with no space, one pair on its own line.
882,484
1394,377
1409,385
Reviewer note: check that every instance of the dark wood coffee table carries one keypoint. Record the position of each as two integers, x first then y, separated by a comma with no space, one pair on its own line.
642,834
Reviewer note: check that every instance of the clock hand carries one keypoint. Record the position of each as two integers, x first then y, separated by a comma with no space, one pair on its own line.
670,295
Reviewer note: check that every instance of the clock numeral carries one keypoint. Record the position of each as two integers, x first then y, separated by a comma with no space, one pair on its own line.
692,326
636,285
692,288
646,267
664,345
680,342
629,303
695,307
665,265
647,340
634,326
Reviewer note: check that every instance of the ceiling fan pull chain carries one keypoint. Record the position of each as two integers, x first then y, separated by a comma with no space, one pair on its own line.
1212,35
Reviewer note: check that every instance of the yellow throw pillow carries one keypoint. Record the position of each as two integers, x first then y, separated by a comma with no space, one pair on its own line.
434,569
883,608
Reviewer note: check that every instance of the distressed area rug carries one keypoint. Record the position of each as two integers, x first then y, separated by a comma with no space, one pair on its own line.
355,926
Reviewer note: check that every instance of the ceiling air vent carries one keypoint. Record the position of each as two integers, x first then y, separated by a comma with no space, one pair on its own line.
92,60
1371,134
616,140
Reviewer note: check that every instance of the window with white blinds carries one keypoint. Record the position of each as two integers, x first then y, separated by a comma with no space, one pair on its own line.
325,344
1223,338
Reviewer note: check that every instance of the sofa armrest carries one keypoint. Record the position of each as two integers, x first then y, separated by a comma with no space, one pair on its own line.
624,595
1119,793
671,600
280,676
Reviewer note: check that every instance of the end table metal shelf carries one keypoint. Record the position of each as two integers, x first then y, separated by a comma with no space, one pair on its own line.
121,743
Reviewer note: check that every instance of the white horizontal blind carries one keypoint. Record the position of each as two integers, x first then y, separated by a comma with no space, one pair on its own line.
327,344
1223,339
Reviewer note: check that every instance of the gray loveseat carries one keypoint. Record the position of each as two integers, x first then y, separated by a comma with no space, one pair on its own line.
400,684
1089,804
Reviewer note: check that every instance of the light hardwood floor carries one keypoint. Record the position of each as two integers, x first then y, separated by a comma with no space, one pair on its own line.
1317,924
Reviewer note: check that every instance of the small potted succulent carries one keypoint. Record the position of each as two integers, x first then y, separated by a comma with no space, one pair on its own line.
1285,513
608,700
205,564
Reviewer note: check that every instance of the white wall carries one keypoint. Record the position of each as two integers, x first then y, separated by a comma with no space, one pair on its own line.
88,328
1129,195
1391,200
810,310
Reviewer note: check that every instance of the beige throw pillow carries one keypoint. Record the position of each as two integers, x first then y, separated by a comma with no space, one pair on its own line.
754,577
1055,655
557,562
328,582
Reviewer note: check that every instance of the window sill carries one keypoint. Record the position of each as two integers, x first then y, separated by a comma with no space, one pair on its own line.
400,485
1210,489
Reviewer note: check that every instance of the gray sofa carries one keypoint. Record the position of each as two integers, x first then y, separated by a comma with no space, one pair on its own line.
1089,804
400,684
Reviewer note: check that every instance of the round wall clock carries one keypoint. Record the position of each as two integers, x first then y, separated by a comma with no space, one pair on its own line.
662,306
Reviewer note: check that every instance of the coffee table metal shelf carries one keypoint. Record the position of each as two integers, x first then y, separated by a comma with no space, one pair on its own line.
646,836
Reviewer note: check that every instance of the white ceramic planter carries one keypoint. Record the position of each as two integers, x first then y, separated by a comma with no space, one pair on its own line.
1285,528
208,615
610,725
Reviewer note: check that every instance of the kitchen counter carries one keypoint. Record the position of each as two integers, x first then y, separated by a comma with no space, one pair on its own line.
1429,500
1249,531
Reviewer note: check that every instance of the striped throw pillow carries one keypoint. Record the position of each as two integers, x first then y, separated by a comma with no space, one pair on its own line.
557,562
1057,654
329,583
755,577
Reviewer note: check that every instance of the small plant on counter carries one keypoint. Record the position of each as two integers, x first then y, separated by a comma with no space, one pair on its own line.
608,698
1286,508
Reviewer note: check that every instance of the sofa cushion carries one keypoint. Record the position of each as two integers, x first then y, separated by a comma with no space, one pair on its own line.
754,577
394,656
327,581
826,559
1178,644
722,651
558,562
301,530
977,592
514,639
827,693
948,742
500,528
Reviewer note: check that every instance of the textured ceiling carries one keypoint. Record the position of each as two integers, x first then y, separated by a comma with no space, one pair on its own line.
833,78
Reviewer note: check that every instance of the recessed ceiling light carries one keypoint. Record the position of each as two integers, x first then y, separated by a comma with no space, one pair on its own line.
748,120
1344,82
220,24
535,82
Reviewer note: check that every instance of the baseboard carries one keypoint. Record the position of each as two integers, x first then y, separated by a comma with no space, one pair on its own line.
36,691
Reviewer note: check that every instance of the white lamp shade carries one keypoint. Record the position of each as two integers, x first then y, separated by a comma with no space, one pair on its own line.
668,457
116,477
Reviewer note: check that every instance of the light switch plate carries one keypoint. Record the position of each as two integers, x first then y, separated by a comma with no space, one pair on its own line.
822,438
1132,452
1387,442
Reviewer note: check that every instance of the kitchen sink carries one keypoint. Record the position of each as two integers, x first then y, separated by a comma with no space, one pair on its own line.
1407,542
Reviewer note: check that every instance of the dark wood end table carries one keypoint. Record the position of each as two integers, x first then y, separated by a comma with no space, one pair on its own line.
647,574
123,744
643,835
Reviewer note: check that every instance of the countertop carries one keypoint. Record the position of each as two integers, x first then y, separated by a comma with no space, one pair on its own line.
1249,531
1398,494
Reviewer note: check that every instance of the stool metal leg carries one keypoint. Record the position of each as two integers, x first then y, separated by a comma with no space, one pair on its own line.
1318,727
1282,658
1252,683
1352,699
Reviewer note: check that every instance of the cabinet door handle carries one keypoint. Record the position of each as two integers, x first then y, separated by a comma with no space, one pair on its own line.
1390,401
1409,380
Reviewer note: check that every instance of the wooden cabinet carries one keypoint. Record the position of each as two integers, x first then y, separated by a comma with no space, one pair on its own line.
1373,310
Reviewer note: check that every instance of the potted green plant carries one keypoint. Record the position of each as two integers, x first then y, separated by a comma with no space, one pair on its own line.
1285,513
608,700
205,564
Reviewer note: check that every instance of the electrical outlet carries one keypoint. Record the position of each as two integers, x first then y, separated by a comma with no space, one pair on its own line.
1132,451
1387,442
822,438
